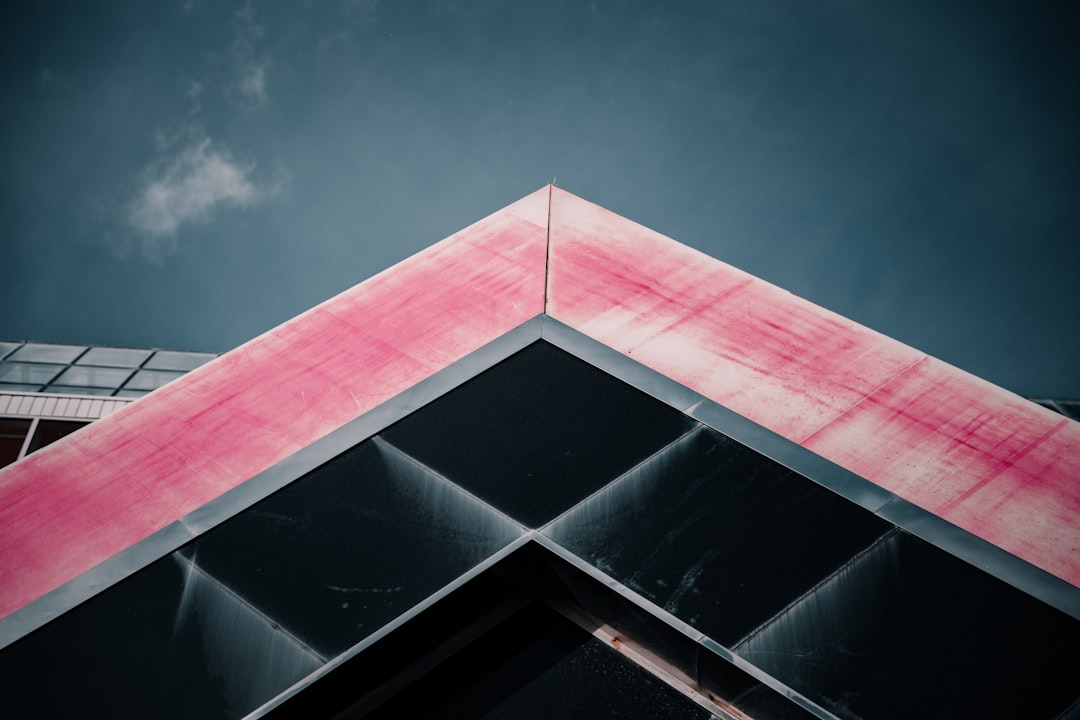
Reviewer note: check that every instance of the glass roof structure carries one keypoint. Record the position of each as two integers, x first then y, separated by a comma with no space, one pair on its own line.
91,370
47,390
503,515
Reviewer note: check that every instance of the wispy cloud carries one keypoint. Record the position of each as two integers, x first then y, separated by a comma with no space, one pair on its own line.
194,94
190,186
250,64
191,179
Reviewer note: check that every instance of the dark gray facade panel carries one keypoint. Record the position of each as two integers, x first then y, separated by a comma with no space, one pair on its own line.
760,573
537,433
717,534
907,630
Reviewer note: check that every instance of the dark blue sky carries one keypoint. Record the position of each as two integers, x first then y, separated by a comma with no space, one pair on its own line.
189,174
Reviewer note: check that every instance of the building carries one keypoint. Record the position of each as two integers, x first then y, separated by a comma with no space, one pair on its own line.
554,464
49,390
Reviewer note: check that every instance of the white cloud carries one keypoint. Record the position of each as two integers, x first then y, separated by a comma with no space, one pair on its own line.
194,95
251,65
189,187
192,180
252,83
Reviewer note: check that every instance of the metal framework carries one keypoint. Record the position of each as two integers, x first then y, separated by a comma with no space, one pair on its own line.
919,466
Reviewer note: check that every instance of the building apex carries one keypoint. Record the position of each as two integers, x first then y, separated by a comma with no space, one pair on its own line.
934,435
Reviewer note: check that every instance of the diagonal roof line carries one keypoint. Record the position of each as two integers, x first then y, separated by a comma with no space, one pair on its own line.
989,558
770,356
927,434
82,500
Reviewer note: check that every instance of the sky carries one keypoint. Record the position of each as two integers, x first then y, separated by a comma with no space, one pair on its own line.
189,174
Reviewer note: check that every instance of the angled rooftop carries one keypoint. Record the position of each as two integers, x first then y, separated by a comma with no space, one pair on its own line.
433,379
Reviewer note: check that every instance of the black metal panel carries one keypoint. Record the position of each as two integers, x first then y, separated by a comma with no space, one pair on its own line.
619,365
599,605
859,490
538,432
721,679
367,675
351,545
717,534
909,631
167,642
395,662
539,665
683,652
989,558
722,538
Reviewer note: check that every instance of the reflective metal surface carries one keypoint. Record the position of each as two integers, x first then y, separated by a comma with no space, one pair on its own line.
343,490
52,368
716,534
115,357
47,353
537,433
169,643
619,365
7,347
750,585
231,503
908,631
28,373
90,376
915,426
339,553
538,665
239,414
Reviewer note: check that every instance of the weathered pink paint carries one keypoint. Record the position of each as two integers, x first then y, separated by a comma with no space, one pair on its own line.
761,351
989,461
91,495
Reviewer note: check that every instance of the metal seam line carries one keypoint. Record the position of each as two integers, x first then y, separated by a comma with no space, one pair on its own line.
547,249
